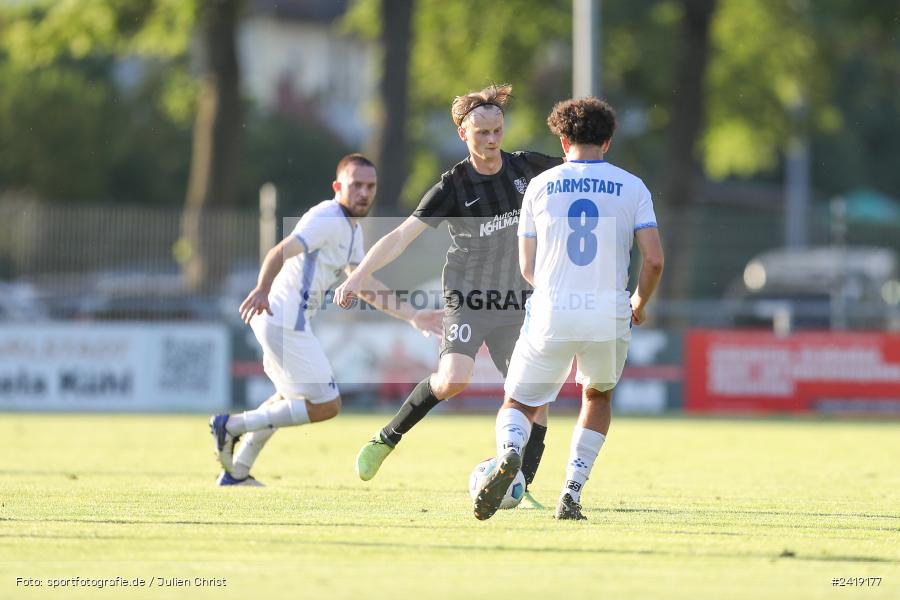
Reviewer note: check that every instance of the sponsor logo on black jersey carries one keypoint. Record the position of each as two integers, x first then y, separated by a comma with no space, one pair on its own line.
507,219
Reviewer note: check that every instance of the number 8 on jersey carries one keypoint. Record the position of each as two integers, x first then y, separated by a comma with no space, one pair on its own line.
582,243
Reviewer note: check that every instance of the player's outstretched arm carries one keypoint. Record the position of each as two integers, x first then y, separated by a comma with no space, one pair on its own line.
651,271
374,292
257,300
383,253
527,254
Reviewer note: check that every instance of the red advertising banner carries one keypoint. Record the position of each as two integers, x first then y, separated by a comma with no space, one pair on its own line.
807,372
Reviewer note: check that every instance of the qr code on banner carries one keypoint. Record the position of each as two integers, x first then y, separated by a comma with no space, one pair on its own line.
186,365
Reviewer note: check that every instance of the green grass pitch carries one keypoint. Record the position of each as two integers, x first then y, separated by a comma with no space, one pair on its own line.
678,508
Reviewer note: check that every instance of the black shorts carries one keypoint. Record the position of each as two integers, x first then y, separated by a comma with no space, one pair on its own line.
465,330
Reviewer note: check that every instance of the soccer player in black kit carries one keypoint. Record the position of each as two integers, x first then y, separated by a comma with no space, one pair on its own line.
484,291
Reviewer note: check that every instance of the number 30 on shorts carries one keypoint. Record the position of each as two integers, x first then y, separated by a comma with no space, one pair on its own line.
581,245
462,331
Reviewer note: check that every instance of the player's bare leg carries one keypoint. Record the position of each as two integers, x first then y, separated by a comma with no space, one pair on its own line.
587,439
513,426
453,375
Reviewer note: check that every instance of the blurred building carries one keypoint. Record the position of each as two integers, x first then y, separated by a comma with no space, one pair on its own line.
296,61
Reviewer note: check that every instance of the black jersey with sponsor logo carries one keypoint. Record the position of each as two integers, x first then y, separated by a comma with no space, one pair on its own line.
482,212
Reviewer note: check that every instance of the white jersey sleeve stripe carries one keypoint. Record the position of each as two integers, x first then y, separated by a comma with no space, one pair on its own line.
645,226
299,238
330,242
309,272
352,241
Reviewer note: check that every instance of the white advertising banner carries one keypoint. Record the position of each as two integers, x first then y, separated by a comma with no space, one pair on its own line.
182,367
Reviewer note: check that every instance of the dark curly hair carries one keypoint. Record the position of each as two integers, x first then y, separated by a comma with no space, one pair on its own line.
586,120
493,95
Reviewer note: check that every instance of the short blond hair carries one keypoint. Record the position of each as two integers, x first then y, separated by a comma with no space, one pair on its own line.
493,95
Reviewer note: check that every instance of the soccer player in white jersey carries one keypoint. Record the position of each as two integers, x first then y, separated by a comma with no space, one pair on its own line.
293,280
579,221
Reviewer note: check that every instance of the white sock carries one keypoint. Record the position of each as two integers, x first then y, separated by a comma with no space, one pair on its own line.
513,429
246,455
281,413
586,445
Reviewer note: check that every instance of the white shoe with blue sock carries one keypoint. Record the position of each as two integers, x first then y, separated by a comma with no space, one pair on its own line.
226,479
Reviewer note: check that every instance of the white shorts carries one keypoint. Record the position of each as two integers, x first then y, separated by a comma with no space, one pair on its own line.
537,374
295,362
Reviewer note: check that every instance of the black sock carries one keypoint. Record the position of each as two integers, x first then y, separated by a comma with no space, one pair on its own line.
534,449
420,401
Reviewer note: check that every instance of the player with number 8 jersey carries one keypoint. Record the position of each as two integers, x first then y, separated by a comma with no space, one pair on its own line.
578,224
583,215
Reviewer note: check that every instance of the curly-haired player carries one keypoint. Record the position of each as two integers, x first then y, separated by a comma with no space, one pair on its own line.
579,221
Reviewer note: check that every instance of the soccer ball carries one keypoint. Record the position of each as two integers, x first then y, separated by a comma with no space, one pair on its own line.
513,494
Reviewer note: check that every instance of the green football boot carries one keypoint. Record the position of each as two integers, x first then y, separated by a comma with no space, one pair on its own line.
532,501
370,456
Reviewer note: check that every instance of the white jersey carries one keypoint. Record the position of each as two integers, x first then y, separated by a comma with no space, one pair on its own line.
331,243
584,215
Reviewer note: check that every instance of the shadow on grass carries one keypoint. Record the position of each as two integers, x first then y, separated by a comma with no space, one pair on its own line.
786,513
542,550
399,545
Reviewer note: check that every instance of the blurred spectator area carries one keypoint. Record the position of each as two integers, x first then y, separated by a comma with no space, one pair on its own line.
294,64
90,261
119,262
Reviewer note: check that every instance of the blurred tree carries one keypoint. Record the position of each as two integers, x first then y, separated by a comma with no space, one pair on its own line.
688,112
42,34
828,69
640,43
43,113
516,41
391,139
854,141
217,135
97,99
78,123
465,45
297,156
765,63
112,121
